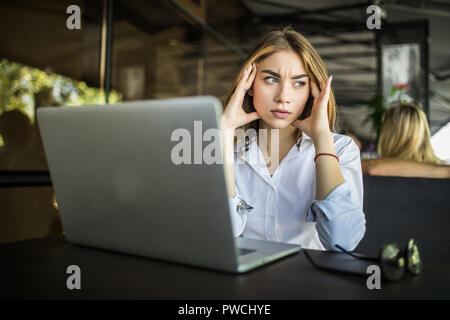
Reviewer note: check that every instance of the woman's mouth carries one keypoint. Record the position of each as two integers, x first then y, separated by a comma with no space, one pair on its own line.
280,113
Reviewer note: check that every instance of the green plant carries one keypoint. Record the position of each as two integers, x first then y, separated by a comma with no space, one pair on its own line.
377,106
24,88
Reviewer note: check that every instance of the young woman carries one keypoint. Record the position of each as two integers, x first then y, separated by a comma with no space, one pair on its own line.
405,147
313,195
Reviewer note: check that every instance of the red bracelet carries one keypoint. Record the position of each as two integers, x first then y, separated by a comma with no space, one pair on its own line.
325,154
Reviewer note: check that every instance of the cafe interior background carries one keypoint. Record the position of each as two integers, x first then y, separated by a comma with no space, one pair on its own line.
140,49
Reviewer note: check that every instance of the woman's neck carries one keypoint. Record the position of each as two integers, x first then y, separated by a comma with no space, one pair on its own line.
287,137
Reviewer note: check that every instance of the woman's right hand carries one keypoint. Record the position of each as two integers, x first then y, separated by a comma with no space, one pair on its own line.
234,115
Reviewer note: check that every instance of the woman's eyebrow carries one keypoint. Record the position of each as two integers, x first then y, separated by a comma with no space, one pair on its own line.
273,73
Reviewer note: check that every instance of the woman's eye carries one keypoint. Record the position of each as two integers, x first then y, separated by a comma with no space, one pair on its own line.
274,80
268,79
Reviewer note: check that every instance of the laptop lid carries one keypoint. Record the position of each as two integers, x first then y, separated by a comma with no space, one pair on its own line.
118,188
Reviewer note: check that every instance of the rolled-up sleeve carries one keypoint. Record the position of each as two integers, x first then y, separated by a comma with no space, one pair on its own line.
238,212
340,218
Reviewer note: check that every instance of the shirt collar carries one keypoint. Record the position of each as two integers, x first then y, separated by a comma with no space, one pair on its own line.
244,145
303,136
248,151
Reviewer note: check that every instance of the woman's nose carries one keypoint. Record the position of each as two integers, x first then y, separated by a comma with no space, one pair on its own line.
283,94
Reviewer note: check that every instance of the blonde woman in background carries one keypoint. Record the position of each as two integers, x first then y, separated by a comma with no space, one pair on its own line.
312,196
404,146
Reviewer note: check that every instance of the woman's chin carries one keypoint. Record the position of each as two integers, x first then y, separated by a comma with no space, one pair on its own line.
278,123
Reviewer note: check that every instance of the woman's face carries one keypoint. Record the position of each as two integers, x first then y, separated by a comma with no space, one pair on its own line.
280,89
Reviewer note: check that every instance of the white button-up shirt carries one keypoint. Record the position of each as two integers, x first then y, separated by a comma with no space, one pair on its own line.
282,207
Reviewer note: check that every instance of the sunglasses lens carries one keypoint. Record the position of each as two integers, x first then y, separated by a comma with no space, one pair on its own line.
412,253
392,262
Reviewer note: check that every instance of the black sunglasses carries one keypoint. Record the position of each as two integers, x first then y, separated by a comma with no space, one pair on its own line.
394,261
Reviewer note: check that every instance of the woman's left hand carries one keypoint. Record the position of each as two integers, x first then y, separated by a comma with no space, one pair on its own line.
316,125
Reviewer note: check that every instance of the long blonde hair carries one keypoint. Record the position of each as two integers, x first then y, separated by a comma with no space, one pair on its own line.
286,39
405,135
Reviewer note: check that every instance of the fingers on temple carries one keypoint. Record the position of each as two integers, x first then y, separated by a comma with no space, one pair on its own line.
242,84
327,87
251,76
314,89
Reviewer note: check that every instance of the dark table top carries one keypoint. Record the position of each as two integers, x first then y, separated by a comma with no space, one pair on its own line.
36,269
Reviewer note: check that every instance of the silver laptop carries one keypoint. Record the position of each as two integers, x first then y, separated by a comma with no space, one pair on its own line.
118,188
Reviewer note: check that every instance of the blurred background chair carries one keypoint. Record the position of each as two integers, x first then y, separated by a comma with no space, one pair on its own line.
399,208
